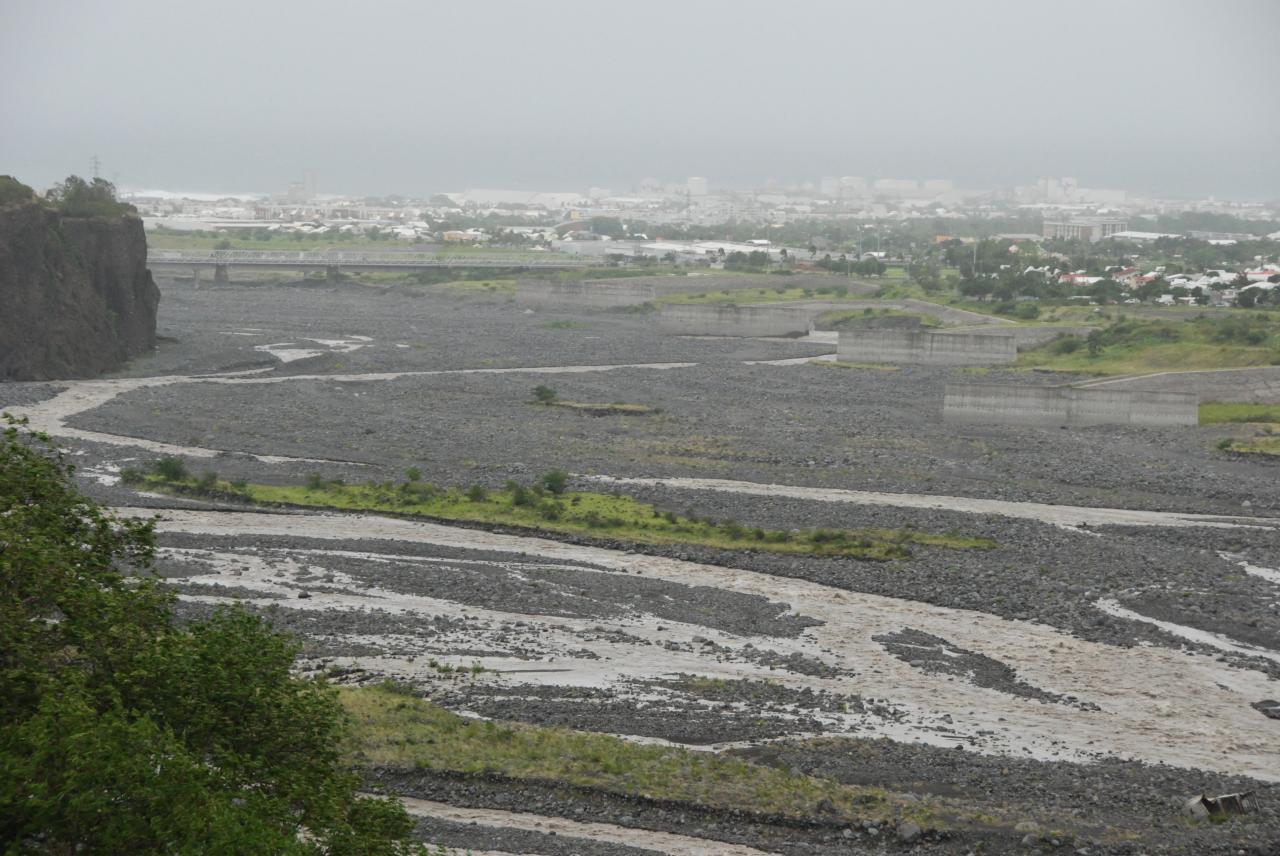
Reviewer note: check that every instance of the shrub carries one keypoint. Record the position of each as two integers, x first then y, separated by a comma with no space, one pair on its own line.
412,474
1066,345
170,468
315,481
670,517
556,481
521,495
551,510
208,480
1226,443
132,475
13,191
477,493
126,731
544,394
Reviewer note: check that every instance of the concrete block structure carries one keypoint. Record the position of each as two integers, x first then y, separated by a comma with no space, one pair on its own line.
720,319
1026,338
1064,405
583,294
633,291
925,348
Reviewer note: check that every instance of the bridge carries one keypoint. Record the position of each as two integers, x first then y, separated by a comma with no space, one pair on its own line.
334,262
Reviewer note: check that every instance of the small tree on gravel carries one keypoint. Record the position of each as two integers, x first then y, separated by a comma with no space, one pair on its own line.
477,493
170,468
556,481
544,394
412,474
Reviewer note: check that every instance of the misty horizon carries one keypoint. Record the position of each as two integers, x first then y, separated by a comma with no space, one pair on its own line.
1173,99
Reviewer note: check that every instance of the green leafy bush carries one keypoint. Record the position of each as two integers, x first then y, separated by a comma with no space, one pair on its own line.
122,732
170,468
556,481
13,191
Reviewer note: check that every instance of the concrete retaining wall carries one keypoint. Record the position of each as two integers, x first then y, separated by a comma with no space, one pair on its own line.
925,348
585,294
1026,338
948,315
717,319
632,291
1063,405
1255,385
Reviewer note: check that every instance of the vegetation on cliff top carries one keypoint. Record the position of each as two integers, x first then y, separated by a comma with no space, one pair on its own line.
74,197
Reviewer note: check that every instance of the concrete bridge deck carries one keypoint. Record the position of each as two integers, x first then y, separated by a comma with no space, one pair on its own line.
336,261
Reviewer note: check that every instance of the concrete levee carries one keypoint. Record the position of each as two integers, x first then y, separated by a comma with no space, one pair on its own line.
948,315
1026,338
583,294
925,348
633,291
719,319
1256,385
1064,405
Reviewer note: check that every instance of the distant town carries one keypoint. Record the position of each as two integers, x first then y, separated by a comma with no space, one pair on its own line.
1053,239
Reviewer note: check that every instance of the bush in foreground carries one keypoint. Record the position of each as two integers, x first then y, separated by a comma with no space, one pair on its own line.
121,732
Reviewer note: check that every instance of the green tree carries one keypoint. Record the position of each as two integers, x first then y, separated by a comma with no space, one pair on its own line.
544,394
76,197
121,732
13,191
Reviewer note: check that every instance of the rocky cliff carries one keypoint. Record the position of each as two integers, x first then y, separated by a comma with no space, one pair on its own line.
76,298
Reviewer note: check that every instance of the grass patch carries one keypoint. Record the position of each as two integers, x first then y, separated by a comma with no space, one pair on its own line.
837,364
614,408
840,318
736,296
547,508
506,287
1258,445
1136,347
566,325
1212,412
392,728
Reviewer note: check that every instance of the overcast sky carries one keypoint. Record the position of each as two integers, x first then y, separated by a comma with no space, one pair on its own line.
1170,96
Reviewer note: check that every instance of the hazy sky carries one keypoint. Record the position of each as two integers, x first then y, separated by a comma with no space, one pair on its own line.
1171,96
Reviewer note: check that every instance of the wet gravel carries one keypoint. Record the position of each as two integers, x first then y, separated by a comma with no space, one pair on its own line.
1142,799
805,424
472,836
802,424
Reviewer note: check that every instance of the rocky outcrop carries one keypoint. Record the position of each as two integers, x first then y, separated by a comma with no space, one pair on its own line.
76,298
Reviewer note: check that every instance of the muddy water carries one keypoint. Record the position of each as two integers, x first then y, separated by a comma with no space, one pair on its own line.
663,842
1191,634
1155,704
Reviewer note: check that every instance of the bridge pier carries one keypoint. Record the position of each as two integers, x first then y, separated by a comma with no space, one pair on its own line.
221,274
332,273
195,277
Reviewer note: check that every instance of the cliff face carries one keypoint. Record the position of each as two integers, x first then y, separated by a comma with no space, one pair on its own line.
76,298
